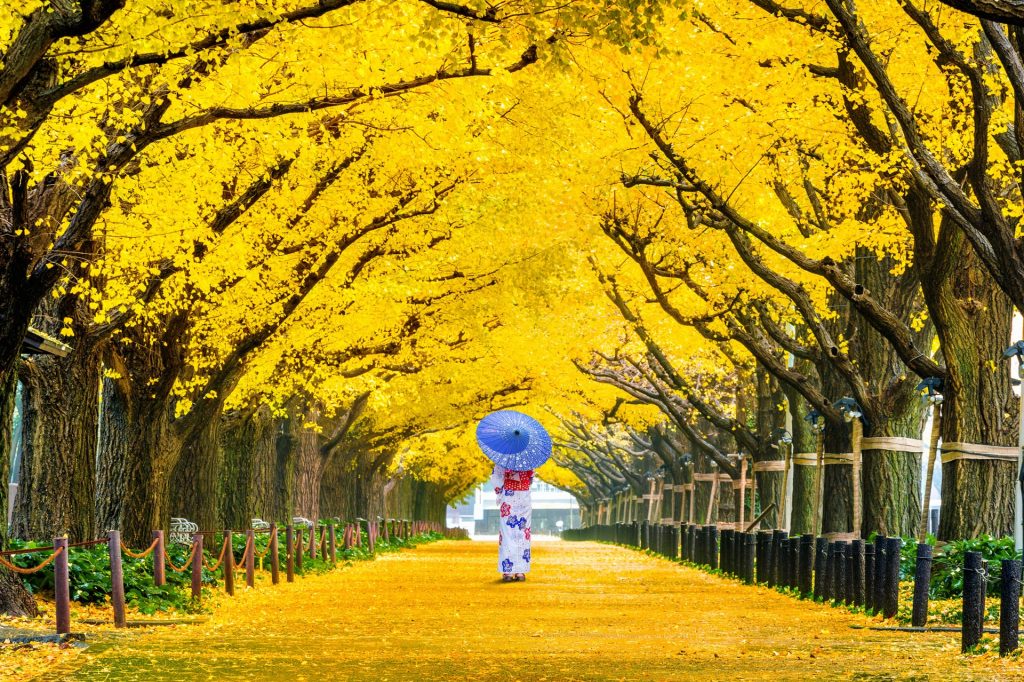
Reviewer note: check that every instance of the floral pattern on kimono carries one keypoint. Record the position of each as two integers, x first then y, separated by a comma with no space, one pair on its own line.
512,490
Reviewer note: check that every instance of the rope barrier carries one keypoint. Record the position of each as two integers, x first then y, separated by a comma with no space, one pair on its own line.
140,555
220,559
240,565
188,562
30,571
36,550
264,554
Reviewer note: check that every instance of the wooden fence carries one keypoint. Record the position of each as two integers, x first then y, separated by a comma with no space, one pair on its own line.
828,569
296,547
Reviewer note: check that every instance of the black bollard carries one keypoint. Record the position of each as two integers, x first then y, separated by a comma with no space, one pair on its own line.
778,560
738,542
726,559
806,564
677,542
1009,607
869,577
922,583
971,621
881,551
839,583
713,546
820,558
782,580
891,602
764,554
794,563
685,533
749,552
848,589
857,570
691,538
705,549
830,574
645,536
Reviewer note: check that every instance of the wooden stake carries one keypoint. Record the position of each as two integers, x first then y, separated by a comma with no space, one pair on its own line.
197,567
858,506
159,568
62,586
275,560
819,476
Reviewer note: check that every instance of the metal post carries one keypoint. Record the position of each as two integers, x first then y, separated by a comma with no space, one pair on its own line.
116,577
229,564
275,560
159,567
250,559
62,586
289,540
197,567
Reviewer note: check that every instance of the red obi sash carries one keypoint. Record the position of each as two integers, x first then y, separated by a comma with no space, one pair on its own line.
518,480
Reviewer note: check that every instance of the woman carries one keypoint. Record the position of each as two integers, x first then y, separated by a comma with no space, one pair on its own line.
512,489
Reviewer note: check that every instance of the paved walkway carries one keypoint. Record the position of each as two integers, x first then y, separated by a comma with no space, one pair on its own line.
588,612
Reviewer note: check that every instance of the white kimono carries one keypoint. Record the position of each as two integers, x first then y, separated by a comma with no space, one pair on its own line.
515,508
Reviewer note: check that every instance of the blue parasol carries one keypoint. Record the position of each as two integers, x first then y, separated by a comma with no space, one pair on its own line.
513,440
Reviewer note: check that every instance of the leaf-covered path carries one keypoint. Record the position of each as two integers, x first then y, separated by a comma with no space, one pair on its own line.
589,611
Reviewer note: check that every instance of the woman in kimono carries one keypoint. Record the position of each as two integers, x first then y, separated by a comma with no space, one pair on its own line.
512,489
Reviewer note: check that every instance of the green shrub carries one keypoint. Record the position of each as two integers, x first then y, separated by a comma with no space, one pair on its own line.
89,569
948,565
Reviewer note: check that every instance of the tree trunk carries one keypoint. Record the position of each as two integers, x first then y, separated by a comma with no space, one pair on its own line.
770,419
891,493
247,476
196,476
309,469
58,481
801,518
973,319
15,600
137,441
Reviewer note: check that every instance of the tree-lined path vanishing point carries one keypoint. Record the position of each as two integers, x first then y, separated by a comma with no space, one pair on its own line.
588,612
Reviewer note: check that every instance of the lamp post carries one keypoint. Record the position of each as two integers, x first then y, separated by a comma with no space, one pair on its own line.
817,422
853,414
930,388
784,443
1017,351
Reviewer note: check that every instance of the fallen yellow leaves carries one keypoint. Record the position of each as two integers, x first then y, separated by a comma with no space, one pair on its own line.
587,611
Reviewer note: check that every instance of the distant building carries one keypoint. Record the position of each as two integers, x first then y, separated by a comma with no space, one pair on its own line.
553,511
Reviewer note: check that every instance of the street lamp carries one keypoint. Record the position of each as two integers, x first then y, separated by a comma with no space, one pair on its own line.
930,389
